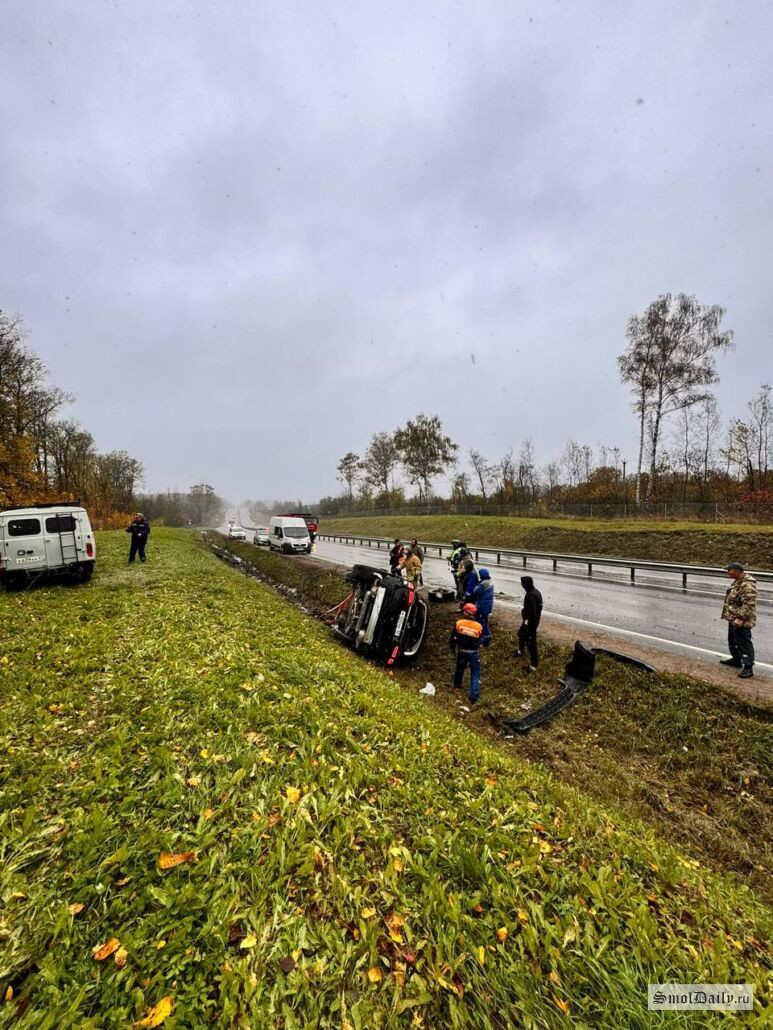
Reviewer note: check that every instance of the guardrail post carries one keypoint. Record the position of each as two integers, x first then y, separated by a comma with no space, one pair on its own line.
590,569
476,556
499,558
684,581
524,561
633,574
555,564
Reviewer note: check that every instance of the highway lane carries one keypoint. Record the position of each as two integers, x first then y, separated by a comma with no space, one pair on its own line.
653,611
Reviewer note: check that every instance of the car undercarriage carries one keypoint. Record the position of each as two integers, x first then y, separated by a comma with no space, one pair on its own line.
383,615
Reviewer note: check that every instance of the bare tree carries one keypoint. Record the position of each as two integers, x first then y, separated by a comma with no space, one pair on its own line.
669,362
482,470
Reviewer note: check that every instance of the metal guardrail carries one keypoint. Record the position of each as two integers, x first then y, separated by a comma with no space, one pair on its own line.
633,564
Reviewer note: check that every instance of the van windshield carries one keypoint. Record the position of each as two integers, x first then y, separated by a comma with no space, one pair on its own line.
296,532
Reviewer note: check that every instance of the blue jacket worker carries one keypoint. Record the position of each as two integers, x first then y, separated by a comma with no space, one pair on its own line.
468,579
140,531
482,597
466,639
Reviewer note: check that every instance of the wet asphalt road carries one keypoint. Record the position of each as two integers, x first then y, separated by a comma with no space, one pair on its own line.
655,611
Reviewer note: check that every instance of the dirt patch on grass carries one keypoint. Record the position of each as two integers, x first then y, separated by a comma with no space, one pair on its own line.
691,759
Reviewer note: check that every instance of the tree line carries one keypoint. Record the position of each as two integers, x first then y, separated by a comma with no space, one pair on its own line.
685,455
45,457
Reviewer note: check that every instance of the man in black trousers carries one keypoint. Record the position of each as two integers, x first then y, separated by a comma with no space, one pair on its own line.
140,531
530,614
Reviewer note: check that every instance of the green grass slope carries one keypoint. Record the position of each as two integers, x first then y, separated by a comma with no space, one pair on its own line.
697,543
348,857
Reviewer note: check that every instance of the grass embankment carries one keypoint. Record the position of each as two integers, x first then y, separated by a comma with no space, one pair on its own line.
697,543
347,855
694,762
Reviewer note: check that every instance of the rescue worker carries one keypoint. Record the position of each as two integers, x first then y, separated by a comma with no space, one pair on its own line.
395,555
140,531
418,550
455,559
740,611
468,579
465,640
482,597
410,562
531,613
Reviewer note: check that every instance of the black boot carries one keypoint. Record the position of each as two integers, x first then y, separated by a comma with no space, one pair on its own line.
730,661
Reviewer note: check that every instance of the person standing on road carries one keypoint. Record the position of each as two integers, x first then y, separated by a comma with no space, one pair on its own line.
531,613
418,550
140,531
482,597
740,610
466,637
412,565
395,555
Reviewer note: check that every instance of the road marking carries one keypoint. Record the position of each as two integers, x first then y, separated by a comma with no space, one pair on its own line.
634,633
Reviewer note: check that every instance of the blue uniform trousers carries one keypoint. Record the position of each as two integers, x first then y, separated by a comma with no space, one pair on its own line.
463,659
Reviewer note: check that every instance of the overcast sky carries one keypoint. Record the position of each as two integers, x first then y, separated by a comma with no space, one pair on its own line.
248,235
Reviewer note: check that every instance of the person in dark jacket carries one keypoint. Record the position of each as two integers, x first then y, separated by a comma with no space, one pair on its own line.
140,531
482,596
395,555
468,579
530,614
465,640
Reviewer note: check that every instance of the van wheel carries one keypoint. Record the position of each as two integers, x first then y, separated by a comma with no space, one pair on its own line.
84,573
15,581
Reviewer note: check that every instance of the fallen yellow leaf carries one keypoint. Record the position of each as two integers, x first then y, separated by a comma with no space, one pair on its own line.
481,955
9,993
367,913
158,1013
160,944
523,916
249,942
103,951
166,860
502,934
293,795
563,1005
120,957
76,908
398,864
208,813
374,975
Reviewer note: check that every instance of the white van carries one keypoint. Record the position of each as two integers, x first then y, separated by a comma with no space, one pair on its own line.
45,539
289,535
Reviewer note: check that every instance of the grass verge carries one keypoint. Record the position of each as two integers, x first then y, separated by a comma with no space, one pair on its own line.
343,854
696,543
693,761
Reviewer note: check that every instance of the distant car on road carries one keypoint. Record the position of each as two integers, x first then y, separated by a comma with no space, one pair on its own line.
261,536
312,522
236,533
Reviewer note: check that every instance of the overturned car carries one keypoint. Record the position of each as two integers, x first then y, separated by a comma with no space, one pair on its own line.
382,616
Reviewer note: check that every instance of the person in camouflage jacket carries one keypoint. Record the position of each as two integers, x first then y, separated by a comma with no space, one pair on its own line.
740,611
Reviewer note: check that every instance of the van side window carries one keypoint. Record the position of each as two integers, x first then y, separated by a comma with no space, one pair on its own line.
24,527
277,530
60,524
